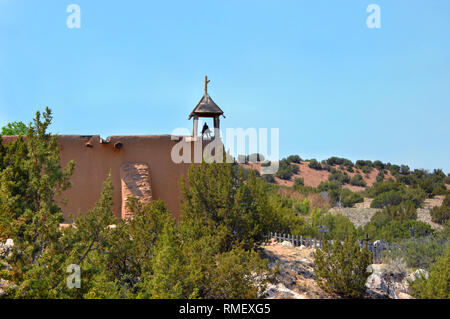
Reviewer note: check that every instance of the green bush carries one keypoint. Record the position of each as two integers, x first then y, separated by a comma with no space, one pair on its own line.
380,176
332,188
420,252
339,226
227,203
394,230
338,177
395,169
342,268
395,194
357,180
362,163
294,159
441,214
404,170
437,286
268,178
379,165
349,198
299,181
286,170
314,164
366,169
266,164
284,173
14,128
339,161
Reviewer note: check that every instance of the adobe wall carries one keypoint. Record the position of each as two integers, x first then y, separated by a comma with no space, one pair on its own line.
95,159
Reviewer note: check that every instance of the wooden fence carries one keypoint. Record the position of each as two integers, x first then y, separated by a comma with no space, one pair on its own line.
377,248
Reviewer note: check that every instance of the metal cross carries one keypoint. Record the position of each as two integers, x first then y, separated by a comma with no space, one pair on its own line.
367,239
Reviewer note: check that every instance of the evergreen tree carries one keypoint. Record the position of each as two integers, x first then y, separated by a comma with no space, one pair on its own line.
30,179
342,268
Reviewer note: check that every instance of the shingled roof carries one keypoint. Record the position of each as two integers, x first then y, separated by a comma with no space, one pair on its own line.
206,108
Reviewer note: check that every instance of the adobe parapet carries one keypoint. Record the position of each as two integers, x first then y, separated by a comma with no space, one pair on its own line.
140,166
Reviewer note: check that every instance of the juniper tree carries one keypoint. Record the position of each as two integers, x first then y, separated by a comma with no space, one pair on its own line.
30,179
341,267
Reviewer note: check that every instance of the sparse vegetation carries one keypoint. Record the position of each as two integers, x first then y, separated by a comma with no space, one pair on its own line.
314,164
357,180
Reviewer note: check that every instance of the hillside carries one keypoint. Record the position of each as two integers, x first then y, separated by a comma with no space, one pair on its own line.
313,177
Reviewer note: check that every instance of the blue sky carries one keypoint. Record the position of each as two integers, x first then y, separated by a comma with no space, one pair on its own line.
311,68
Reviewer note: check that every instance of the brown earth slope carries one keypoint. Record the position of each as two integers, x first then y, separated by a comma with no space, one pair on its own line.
313,177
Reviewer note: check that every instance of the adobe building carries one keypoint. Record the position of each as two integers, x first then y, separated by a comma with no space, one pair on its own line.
140,166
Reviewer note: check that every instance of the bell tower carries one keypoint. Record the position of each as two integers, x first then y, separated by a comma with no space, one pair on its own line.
206,108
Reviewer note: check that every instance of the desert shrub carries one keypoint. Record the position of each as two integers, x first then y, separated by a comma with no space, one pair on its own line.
439,188
339,161
366,169
394,230
339,177
437,286
245,171
395,169
303,207
314,164
238,274
379,165
299,181
332,188
380,176
286,170
362,163
392,193
402,212
294,168
357,180
339,226
387,199
383,187
294,159
404,170
446,201
284,173
349,198
268,178
342,268
447,179
442,213
266,164
421,252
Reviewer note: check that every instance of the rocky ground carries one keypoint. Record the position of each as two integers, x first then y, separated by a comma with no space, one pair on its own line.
296,276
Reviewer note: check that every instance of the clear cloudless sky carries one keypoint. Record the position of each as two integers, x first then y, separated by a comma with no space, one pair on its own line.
311,68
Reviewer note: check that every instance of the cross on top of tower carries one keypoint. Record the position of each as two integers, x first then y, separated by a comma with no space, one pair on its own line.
206,85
